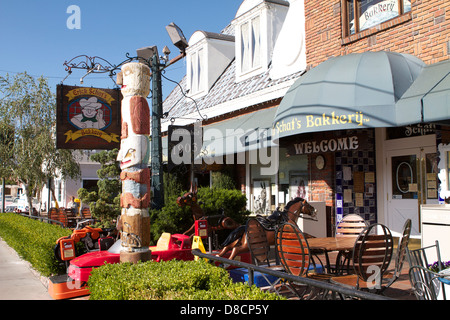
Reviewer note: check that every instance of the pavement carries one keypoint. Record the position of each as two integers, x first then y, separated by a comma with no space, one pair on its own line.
17,279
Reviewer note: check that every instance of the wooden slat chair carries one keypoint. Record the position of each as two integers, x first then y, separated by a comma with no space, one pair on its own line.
424,282
371,257
260,251
86,213
70,214
402,248
58,215
53,215
295,256
350,226
62,217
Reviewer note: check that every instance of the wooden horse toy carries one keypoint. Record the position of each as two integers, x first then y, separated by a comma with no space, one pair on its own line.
190,199
237,240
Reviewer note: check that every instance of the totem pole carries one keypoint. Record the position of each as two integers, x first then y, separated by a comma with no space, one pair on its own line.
133,157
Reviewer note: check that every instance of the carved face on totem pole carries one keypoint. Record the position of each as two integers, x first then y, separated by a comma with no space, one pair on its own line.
134,150
134,79
134,146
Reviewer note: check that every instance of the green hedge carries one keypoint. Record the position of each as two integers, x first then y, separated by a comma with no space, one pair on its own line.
33,241
169,280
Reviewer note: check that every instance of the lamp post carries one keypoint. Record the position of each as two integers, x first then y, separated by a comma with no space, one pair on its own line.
156,142
178,39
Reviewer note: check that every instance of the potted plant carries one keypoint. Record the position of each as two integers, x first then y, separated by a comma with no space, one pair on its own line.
443,269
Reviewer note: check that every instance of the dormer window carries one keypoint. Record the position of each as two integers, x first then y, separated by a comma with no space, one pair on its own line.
207,57
257,25
250,32
196,74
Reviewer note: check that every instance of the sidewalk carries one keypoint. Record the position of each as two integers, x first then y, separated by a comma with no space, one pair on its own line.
17,280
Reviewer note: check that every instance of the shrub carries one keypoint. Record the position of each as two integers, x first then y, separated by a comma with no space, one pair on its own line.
105,202
169,280
171,218
174,219
34,241
232,202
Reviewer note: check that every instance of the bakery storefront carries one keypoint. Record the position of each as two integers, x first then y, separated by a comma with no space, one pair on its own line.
334,167
349,135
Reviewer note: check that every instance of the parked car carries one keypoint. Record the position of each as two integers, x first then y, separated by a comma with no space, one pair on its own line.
20,205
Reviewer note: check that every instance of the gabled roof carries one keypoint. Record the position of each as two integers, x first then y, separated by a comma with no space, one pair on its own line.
218,36
226,95
225,91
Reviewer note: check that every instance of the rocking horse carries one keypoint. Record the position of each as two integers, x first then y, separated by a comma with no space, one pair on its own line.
215,223
237,241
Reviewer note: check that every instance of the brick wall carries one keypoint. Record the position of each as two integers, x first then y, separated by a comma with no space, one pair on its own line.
423,32
322,181
322,185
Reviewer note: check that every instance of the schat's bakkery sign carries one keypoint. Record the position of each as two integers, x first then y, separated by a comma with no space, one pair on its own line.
88,118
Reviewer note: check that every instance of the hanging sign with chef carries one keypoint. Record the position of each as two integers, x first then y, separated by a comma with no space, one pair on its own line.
88,118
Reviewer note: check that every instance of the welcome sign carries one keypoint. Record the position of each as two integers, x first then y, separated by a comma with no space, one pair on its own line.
88,118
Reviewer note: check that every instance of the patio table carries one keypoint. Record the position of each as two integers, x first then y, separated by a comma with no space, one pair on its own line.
329,244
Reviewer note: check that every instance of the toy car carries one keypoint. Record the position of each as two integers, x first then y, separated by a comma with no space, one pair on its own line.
175,246
74,283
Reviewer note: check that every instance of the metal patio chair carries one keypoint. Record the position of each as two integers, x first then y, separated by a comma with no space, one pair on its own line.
402,248
295,256
350,226
371,257
425,283
260,251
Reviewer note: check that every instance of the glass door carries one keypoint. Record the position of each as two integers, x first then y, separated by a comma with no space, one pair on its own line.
412,182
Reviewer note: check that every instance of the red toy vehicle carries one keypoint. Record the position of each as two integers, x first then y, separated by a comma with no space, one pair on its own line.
175,246
74,284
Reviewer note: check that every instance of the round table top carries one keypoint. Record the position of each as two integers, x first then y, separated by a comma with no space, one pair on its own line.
332,243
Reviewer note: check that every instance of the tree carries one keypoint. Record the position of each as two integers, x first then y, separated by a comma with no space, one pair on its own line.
105,204
28,119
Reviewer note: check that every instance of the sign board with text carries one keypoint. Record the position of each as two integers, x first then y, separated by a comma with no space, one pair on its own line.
87,118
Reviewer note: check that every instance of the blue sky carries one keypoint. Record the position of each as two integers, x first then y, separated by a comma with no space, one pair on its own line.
34,36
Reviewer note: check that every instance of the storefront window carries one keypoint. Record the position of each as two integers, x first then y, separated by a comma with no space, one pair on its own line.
292,177
262,197
370,13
